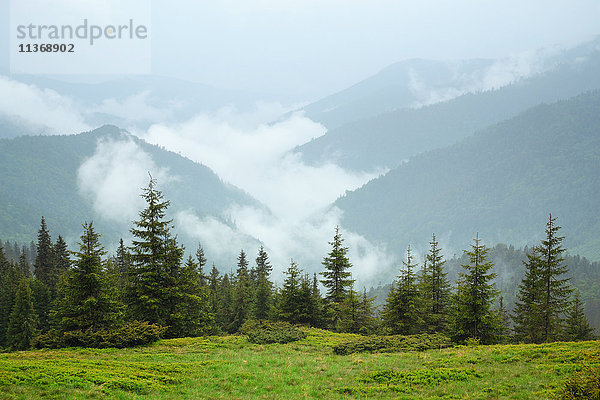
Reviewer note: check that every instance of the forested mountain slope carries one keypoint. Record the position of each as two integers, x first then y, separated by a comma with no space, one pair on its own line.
40,177
501,182
387,139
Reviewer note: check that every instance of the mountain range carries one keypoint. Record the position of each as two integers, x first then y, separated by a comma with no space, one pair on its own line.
385,138
496,161
42,176
501,182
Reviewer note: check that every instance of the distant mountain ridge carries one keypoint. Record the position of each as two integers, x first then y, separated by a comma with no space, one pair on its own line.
392,88
501,182
391,137
131,101
40,178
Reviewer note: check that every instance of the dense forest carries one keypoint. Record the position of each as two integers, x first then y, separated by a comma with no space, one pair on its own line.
503,180
51,296
510,270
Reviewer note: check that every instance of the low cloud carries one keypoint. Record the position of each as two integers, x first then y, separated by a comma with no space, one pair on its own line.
500,73
242,148
43,110
255,157
113,176
136,108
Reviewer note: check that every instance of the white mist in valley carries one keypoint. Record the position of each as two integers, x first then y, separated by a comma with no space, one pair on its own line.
253,154
112,177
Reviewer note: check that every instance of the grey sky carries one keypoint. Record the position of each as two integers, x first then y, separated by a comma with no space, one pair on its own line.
315,47
311,48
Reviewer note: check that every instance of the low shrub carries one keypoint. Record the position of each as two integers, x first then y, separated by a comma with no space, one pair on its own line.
127,335
260,332
584,385
405,381
426,376
394,343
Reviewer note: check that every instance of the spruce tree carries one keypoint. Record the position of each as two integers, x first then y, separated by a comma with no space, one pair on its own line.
116,287
366,318
402,314
43,302
555,288
84,301
577,327
242,294
504,320
192,315
224,316
214,284
264,287
44,261
317,302
119,270
9,283
308,308
62,263
434,289
544,292
349,320
290,294
154,257
22,327
24,264
201,260
473,316
337,279
357,314
123,258
527,316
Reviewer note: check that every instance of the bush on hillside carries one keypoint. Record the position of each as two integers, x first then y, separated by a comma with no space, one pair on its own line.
584,385
394,343
127,335
261,332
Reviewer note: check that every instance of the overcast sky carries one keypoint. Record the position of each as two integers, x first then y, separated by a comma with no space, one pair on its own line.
317,46
310,48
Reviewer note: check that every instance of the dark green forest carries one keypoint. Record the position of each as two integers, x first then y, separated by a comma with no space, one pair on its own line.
510,271
51,296
40,178
392,135
501,181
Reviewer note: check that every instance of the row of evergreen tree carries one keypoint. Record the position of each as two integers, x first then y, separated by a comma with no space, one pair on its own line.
149,281
545,309
15,252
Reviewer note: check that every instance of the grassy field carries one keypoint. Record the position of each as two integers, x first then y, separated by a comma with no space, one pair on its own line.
232,368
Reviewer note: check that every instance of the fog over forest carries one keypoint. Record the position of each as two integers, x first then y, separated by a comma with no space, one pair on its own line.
252,87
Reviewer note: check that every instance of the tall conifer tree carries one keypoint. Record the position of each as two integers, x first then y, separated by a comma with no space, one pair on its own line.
201,260
290,303
62,263
434,289
401,311
44,261
242,294
474,317
9,282
527,315
544,293
155,273
577,327
84,301
22,327
264,287
24,264
336,277
555,287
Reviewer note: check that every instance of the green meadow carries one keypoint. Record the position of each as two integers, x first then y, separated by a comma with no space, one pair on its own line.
230,367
